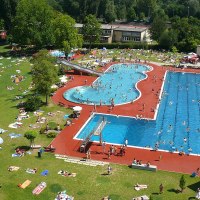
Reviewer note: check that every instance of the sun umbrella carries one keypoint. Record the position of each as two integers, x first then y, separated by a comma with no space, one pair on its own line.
77,108
1,140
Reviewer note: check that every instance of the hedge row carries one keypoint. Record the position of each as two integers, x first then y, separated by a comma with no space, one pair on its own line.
138,45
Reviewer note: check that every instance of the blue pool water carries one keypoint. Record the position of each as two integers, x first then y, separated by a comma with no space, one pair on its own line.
118,83
178,118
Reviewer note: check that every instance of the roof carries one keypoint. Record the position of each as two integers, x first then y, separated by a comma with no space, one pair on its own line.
119,27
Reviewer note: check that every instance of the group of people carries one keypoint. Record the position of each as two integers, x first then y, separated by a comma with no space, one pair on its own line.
139,162
113,150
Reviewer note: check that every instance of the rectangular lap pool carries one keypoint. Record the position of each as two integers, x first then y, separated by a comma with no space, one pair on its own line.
177,126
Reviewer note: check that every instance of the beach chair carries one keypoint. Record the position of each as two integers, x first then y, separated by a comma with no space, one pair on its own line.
39,188
25,184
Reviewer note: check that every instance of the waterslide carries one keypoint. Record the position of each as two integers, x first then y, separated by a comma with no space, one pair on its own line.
79,68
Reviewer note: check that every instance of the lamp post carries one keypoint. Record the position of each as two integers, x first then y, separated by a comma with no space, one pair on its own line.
188,11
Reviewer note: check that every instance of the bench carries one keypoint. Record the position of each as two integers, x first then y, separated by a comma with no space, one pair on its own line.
144,167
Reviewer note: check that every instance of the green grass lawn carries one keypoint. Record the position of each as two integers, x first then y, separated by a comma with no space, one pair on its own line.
90,183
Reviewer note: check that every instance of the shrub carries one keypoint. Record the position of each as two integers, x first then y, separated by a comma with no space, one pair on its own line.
125,45
52,125
43,129
114,58
31,135
51,134
182,183
33,103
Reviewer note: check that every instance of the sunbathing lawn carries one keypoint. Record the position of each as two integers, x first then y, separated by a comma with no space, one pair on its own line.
89,183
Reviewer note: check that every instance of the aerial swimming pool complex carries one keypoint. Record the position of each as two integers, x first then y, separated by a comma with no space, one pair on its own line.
176,127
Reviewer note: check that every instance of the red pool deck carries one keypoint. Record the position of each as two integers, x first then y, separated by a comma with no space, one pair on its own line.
150,89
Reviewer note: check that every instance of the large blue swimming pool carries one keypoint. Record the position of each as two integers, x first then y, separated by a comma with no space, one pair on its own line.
118,83
177,126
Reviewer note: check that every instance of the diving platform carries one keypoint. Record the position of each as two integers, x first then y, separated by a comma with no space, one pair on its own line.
96,131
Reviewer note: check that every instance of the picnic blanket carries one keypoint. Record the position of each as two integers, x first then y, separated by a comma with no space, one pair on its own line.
63,195
45,172
25,184
31,171
13,168
66,173
140,187
16,155
2,130
39,188
15,125
14,135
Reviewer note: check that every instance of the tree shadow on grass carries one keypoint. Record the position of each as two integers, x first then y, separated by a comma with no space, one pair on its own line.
26,148
105,174
174,190
190,198
55,188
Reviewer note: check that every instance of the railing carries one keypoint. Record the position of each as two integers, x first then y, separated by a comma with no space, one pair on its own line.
78,67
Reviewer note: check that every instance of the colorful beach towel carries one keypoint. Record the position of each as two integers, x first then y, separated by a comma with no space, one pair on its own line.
45,172
39,188
14,135
31,171
2,130
13,168
25,184
63,195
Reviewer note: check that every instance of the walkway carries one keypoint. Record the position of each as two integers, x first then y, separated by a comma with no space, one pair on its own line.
65,144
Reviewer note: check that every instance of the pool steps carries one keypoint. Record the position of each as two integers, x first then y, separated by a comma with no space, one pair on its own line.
92,163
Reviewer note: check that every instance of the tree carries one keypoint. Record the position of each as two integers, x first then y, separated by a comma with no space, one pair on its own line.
65,34
33,103
168,39
157,28
91,29
44,73
7,12
182,183
1,24
31,135
131,15
32,23
110,14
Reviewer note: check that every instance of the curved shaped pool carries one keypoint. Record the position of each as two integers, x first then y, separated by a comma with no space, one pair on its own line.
118,85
